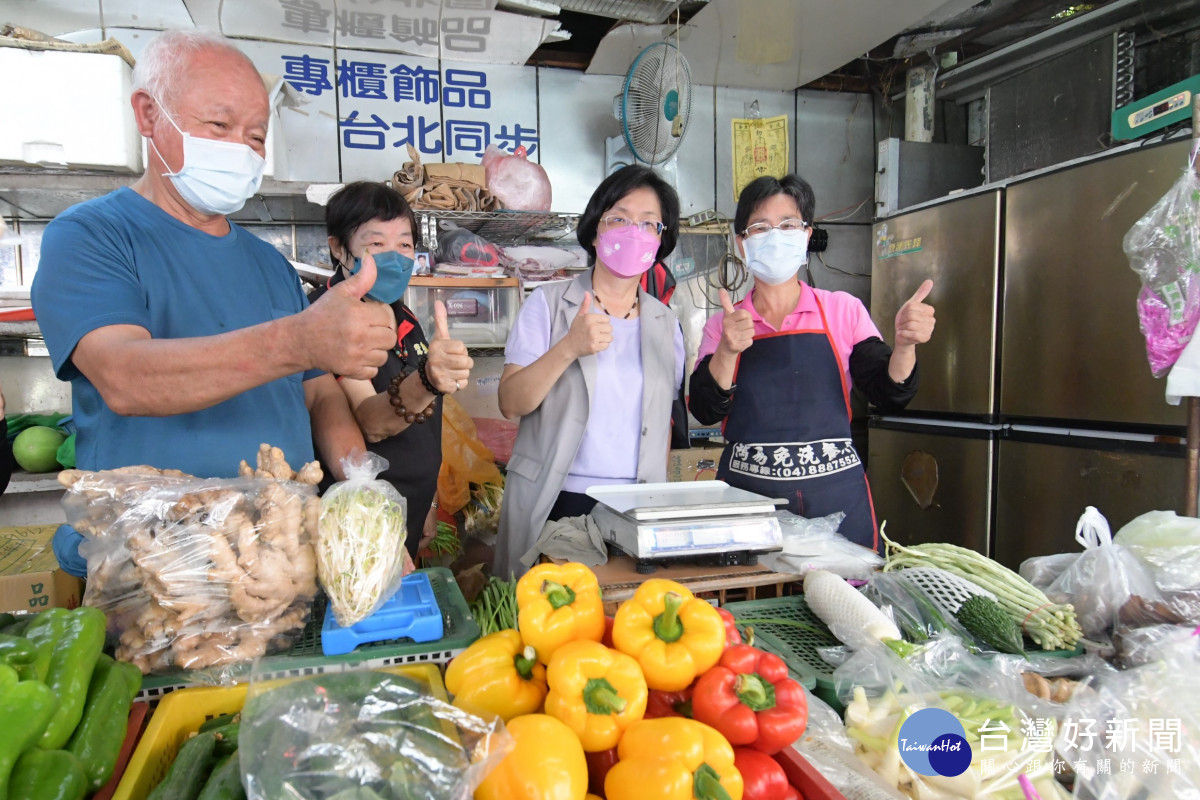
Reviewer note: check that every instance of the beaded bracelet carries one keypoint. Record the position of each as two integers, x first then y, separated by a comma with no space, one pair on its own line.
428,384
397,402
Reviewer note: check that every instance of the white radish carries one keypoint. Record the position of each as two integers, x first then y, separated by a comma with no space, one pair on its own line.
838,603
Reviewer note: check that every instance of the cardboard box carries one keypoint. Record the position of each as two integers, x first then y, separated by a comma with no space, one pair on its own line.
30,578
694,464
68,110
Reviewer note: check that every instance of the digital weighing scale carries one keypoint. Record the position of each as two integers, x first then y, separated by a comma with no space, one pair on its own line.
707,521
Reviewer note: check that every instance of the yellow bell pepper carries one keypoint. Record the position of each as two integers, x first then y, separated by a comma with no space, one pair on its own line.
498,674
547,763
596,691
556,604
673,758
673,635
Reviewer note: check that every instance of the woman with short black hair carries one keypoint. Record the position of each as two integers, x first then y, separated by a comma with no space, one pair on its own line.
591,368
400,409
795,352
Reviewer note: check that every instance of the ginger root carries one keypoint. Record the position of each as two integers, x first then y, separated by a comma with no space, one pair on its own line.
199,573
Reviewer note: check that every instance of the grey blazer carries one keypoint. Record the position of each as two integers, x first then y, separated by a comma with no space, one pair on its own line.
548,438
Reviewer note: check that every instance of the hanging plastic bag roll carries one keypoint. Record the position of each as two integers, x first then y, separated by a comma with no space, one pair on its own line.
1163,248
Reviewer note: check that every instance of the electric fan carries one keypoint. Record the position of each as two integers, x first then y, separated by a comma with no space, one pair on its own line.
655,103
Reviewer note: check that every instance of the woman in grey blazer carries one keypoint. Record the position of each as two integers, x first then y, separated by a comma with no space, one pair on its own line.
592,366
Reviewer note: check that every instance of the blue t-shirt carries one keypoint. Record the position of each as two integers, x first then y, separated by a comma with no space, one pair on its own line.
121,260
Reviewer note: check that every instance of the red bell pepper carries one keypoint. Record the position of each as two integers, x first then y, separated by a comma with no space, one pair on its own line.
762,776
607,639
598,765
732,634
750,699
669,704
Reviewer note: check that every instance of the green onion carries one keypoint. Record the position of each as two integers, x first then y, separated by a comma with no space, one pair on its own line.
495,608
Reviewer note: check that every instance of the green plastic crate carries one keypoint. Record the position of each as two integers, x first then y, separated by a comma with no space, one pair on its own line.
305,656
796,646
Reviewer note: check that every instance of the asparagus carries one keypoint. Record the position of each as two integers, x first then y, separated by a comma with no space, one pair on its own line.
1051,625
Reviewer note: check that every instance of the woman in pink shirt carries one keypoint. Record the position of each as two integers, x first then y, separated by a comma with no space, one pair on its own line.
777,368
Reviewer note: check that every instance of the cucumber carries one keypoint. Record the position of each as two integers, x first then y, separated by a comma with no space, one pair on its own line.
190,769
227,739
219,722
225,783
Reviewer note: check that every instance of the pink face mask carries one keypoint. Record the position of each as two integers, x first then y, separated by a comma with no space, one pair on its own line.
627,252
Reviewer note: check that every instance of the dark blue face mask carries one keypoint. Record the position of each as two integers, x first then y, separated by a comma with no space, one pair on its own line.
393,269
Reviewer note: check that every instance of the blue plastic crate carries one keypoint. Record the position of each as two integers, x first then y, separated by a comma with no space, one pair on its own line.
411,612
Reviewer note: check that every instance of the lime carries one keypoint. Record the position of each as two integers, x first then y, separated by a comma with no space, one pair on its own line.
36,448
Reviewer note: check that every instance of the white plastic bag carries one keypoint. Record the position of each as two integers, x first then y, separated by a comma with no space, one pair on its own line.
1102,579
1163,248
810,544
1169,543
517,182
360,539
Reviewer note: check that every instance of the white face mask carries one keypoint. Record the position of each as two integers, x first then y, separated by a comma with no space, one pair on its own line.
776,257
216,177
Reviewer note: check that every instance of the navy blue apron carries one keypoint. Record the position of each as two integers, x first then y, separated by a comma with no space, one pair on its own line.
788,430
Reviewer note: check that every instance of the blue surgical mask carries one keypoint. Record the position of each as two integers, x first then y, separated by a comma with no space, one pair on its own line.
393,269
216,177
776,257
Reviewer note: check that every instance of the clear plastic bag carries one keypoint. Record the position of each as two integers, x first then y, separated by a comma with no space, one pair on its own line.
195,573
1102,579
830,749
518,183
1042,570
1169,543
1137,735
918,615
1163,248
366,735
1009,731
810,544
360,544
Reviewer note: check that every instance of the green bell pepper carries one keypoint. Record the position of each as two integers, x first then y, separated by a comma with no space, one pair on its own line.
98,738
19,653
26,708
71,672
44,631
48,775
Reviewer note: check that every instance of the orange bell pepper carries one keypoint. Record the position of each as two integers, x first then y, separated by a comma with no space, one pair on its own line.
673,759
596,691
556,604
672,634
547,763
498,674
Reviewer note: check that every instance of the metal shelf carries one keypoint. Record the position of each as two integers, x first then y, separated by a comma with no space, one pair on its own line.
499,227
41,194
44,194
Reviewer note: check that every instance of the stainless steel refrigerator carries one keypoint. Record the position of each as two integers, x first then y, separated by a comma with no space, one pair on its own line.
1085,421
931,470
1049,369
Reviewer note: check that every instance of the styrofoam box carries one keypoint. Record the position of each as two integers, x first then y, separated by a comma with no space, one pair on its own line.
68,110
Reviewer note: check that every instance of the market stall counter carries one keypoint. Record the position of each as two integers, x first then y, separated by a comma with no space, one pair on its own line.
619,579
